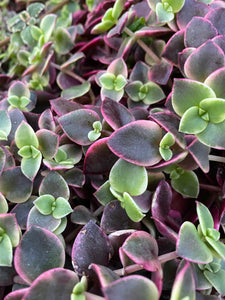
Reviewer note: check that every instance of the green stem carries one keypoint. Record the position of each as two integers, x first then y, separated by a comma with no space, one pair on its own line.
135,267
217,158
146,48
75,76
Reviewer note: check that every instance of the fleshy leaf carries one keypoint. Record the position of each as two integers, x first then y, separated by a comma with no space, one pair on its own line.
107,80
128,177
173,5
5,125
3,204
217,280
185,182
63,41
213,135
44,204
25,135
131,287
62,208
133,142
184,284
215,107
142,248
132,209
187,93
205,217
34,9
163,16
217,246
190,246
6,254
191,122
30,166
76,91
118,8
47,26
39,250
48,142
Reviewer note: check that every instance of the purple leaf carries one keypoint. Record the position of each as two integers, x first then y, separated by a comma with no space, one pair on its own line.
174,45
133,142
115,114
54,284
131,287
203,61
198,31
141,248
39,250
62,107
17,294
160,72
46,120
74,177
77,124
48,142
81,215
216,16
151,31
190,9
99,159
86,251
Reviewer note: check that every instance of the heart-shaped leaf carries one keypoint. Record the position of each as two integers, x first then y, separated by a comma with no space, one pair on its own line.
215,108
128,177
190,246
133,141
217,280
133,211
191,121
163,16
39,250
25,135
62,208
44,204
204,217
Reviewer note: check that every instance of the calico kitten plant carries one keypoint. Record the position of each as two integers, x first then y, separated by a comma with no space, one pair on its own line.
112,142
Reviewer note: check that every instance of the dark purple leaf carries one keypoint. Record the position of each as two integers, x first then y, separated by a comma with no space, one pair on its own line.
140,72
48,142
54,284
182,57
77,124
86,251
203,61
191,9
151,31
220,41
81,215
46,120
115,218
74,177
160,72
174,46
119,27
216,16
17,294
16,117
22,210
137,142
99,159
39,250
6,276
62,107
115,114
198,31
16,187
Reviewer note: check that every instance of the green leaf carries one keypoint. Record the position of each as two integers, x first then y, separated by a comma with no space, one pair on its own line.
217,247
102,27
5,125
25,136
103,194
60,155
108,16
44,204
184,285
176,5
154,93
217,280
191,122
19,89
213,234
204,217
119,83
133,211
47,26
128,177
62,208
36,32
133,89
76,91
215,107
186,183
187,93
28,152
35,9
93,136
191,247
107,80
167,141
63,41
6,253
118,8
3,204
163,16
165,153
30,166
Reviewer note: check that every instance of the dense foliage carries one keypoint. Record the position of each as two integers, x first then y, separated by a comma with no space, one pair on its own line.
112,142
